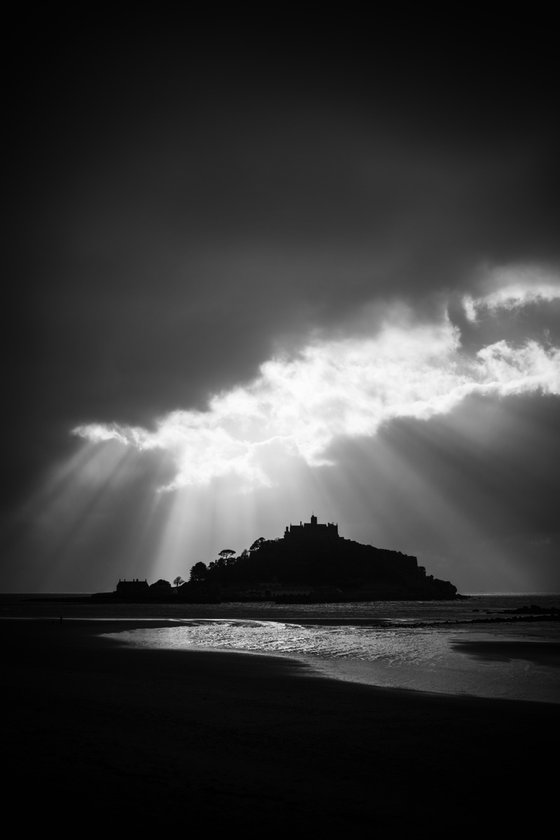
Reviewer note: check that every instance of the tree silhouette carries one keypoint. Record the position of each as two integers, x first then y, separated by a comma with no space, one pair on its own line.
178,581
257,544
199,572
225,556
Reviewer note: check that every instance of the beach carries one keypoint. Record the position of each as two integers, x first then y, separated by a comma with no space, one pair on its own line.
117,736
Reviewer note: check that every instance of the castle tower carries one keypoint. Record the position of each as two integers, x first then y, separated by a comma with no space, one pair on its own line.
313,519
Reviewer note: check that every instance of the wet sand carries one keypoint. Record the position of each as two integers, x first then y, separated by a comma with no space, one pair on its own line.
106,737
541,653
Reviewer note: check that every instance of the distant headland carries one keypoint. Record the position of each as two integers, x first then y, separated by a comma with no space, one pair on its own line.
311,563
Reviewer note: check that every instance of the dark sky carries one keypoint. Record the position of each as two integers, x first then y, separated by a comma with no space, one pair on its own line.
190,199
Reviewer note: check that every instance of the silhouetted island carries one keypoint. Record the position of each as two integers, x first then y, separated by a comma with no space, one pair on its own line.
311,563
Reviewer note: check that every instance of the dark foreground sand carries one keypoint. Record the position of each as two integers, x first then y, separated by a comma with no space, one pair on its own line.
98,736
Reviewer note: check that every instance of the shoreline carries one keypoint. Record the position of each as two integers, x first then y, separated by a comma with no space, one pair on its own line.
170,738
515,655
511,666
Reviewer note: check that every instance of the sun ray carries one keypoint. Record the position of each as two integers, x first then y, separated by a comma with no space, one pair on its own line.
355,427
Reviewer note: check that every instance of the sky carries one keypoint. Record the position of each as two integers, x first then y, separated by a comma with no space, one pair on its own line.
258,269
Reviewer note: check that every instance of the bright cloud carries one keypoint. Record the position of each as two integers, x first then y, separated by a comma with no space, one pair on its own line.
513,288
345,387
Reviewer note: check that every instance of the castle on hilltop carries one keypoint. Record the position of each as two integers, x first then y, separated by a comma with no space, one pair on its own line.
311,530
311,563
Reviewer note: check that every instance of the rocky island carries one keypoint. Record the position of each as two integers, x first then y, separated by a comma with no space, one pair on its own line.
311,563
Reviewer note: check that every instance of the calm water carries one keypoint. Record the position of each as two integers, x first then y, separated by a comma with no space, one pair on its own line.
466,647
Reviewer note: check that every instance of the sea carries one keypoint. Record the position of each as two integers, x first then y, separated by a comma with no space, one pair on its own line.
487,645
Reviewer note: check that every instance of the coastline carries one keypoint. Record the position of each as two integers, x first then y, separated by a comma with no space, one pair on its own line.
209,739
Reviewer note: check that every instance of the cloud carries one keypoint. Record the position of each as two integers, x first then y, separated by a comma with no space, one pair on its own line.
162,250
337,388
513,288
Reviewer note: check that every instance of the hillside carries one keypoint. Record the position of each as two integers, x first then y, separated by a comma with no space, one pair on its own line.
311,562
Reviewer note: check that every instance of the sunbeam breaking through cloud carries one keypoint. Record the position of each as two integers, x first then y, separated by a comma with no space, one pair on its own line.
242,289
335,388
